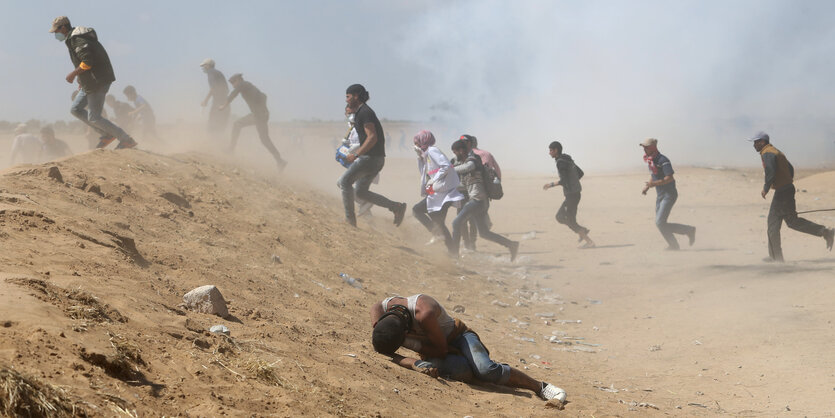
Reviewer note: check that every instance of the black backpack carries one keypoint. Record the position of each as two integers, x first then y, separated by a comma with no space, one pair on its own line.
492,183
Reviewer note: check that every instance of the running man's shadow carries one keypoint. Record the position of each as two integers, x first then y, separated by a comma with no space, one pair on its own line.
597,247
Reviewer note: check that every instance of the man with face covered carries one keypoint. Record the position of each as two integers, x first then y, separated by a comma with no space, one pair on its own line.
779,176
95,75
661,178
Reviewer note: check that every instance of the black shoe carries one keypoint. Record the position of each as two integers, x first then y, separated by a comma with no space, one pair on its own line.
692,236
352,222
514,250
829,236
399,213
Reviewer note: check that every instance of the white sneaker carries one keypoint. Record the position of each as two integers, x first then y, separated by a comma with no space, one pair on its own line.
550,391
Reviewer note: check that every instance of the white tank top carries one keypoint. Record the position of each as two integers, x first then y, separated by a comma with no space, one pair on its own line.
446,322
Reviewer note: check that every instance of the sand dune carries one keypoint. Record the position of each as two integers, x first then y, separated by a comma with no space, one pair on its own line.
94,266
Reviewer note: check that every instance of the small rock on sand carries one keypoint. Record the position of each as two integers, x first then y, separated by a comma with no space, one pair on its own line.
206,299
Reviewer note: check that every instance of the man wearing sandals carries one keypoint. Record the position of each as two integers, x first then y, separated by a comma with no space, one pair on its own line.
570,176
95,75
447,348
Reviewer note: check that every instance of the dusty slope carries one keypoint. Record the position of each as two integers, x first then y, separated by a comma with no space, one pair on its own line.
74,291
705,331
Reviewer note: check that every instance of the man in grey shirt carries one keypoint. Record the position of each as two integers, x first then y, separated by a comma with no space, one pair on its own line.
570,176
260,116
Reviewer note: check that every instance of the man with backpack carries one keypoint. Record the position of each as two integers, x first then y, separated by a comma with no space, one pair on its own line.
471,173
570,175
95,75
493,183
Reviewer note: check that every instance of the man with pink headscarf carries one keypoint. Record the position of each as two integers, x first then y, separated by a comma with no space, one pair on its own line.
438,186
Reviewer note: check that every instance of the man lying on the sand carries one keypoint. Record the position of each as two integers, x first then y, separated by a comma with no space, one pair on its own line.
446,346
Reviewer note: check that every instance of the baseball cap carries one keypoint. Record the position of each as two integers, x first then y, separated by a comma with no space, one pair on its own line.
759,136
208,62
236,76
20,128
649,142
58,22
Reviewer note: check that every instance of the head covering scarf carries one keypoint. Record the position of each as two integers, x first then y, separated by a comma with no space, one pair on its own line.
424,139
650,152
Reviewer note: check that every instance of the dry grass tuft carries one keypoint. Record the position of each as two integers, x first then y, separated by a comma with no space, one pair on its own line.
22,396
262,370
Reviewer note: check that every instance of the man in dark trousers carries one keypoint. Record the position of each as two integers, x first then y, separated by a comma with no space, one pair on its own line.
661,177
95,75
779,175
366,161
570,176
218,91
260,116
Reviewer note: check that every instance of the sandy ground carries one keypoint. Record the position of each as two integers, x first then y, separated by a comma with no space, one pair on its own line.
705,331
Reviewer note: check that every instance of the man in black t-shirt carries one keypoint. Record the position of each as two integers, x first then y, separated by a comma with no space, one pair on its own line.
260,116
367,161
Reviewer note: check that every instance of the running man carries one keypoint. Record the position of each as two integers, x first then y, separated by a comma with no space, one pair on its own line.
470,171
449,348
143,112
661,177
366,161
259,116
52,148
438,187
779,175
570,176
95,75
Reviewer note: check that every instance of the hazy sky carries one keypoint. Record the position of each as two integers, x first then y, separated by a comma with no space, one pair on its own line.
597,75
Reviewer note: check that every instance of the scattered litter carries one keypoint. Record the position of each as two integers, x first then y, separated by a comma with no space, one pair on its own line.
396,390
295,295
499,303
321,285
528,339
535,356
529,235
545,314
519,303
351,281
276,259
594,301
655,348
595,329
219,329
610,389
697,342
640,405
458,309
555,340
568,321
696,404
351,355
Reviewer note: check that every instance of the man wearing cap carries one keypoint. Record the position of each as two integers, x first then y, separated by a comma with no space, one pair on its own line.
661,177
779,175
25,145
95,75
218,91
259,116
366,161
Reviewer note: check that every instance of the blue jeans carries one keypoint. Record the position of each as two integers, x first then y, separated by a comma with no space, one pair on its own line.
473,363
361,173
87,107
476,210
663,206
